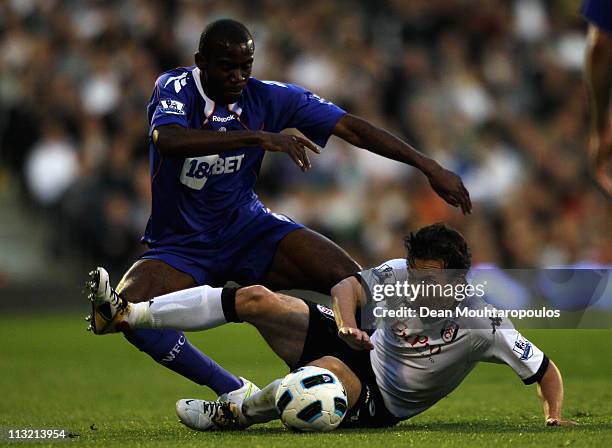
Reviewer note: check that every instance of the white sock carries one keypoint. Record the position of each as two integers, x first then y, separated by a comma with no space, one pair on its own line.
191,309
261,406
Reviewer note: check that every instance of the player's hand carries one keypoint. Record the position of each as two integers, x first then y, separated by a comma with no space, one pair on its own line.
355,338
448,186
560,422
600,155
296,147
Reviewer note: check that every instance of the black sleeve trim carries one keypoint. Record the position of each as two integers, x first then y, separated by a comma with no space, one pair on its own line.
363,284
540,373
357,276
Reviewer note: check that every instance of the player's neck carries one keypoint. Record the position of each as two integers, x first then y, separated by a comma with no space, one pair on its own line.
216,98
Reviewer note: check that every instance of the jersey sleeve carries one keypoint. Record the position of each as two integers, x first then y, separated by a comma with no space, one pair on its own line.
296,107
506,345
170,103
390,272
599,13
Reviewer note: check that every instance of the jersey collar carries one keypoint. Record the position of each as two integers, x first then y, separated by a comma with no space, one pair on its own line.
210,104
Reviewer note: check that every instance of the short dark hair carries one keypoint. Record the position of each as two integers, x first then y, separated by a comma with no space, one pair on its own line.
439,242
223,31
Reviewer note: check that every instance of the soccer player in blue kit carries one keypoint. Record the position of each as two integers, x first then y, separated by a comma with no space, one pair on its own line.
598,75
210,126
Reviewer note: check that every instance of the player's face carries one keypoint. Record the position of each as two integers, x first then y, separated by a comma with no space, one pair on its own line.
426,271
430,272
425,265
226,71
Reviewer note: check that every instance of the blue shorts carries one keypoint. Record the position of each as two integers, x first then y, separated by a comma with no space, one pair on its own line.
244,259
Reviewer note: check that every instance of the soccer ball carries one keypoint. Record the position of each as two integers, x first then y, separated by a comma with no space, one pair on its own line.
311,399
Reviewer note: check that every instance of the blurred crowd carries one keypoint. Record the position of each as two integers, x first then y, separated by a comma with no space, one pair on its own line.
492,89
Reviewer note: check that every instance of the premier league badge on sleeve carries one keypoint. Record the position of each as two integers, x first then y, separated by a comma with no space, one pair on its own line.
383,273
172,107
522,348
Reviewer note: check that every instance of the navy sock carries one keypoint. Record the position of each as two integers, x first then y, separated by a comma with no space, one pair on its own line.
171,349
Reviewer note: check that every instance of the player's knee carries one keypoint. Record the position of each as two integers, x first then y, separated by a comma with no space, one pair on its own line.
350,381
330,363
251,301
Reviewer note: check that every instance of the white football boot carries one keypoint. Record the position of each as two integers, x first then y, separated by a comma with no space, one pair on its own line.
205,415
223,414
108,308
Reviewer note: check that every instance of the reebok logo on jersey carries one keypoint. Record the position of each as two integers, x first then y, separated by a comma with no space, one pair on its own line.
223,119
168,106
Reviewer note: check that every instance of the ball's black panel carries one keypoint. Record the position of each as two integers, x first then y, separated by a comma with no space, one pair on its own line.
283,401
311,412
340,406
315,380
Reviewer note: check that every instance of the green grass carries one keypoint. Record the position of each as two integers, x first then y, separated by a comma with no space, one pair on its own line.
56,375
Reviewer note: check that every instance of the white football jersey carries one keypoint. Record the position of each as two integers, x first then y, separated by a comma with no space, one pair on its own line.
420,361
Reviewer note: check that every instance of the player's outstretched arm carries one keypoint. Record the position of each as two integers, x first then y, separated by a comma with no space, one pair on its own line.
177,141
346,295
598,76
447,184
550,391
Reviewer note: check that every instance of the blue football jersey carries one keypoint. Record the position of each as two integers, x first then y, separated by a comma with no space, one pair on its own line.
598,12
199,201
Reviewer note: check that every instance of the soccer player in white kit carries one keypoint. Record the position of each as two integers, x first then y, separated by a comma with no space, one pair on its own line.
397,371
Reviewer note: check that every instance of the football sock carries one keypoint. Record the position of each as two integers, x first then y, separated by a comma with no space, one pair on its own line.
198,308
171,349
261,406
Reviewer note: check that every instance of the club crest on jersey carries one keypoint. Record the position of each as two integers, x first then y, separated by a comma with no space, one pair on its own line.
449,331
522,348
169,106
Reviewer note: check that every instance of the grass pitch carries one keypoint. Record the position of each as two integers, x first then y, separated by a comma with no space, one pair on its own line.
106,393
